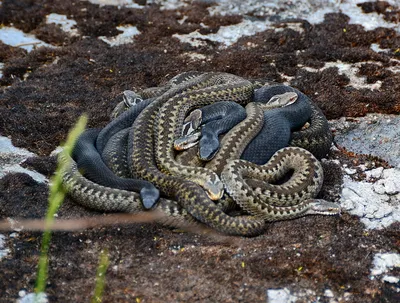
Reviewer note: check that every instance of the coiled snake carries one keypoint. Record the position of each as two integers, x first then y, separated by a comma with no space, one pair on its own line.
150,157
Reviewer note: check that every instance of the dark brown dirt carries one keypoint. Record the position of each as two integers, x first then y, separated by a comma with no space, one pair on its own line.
150,263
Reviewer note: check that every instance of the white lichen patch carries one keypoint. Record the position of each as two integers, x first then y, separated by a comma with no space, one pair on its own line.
312,10
226,35
376,203
11,157
275,9
286,79
296,26
163,4
67,25
32,297
375,134
350,70
377,49
280,295
119,3
369,21
239,7
169,4
3,250
382,264
395,68
1,69
15,37
127,36
196,56
284,295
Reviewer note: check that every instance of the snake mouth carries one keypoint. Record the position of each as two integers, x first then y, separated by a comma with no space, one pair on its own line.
323,207
214,190
187,142
215,196
149,196
207,153
131,98
209,146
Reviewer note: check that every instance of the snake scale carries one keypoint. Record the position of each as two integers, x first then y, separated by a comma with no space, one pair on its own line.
186,191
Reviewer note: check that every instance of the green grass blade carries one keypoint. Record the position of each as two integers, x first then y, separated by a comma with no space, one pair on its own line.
100,277
56,197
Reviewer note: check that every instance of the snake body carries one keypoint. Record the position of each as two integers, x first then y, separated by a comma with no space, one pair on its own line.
246,132
317,138
89,161
256,187
279,123
228,115
150,156
104,198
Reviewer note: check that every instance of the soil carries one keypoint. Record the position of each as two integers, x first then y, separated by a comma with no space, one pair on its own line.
43,93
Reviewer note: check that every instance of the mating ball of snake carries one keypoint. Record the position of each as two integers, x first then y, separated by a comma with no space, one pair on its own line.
250,150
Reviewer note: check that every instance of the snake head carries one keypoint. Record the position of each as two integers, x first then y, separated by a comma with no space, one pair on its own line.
131,98
283,100
192,122
187,142
149,196
209,146
323,207
214,189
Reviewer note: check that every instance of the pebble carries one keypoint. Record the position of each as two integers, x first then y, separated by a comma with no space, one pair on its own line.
350,171
383,262
374,173
328,293
390,279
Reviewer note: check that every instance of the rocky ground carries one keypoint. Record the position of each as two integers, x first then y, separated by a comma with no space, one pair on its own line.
59,59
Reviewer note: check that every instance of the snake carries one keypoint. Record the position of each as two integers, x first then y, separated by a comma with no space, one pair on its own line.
257,188
164,116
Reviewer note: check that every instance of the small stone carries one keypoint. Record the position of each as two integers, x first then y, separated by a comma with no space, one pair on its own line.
390,279
392,187
328,293
350,171
347,204
278,295
383,262
383,211
386,186
22,293
34,298
374,173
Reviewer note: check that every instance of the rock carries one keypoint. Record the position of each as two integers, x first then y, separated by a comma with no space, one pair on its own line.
377,203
